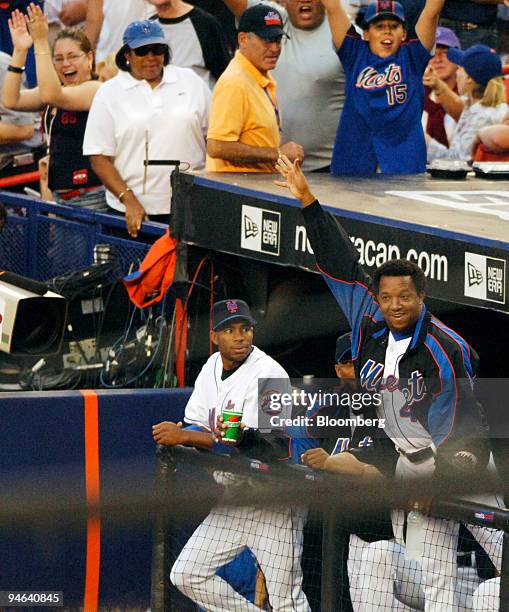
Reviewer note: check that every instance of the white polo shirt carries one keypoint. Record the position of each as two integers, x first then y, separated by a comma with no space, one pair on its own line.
172,118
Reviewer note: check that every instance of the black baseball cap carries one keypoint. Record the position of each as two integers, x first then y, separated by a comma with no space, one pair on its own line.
228,311
344,347
263,20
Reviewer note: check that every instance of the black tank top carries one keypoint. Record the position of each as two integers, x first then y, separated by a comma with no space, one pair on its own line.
68,167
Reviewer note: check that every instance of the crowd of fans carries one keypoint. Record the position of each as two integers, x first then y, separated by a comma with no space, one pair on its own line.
351,88
346,86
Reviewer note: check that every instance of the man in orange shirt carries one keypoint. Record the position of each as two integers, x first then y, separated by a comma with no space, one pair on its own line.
245,122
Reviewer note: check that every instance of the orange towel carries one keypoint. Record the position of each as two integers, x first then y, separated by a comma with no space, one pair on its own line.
149,284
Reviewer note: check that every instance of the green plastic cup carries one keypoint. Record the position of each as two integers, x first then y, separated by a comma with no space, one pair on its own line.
232,420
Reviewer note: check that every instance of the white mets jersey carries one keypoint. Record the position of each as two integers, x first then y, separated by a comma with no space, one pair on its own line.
239,392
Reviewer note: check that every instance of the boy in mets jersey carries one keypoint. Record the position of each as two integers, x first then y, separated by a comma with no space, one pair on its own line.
380,127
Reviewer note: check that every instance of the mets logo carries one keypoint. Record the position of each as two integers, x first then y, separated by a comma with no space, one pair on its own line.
369,78
272,18
232,306
385,5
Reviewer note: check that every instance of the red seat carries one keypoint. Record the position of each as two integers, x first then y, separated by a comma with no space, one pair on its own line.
482,155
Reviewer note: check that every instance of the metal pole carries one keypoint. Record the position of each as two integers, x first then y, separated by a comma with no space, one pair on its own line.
504,576
335,591
159,590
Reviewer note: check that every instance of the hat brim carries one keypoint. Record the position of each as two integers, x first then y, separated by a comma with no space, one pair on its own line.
143,42
341,357
234,317
270,32
445,45
383,15
456,56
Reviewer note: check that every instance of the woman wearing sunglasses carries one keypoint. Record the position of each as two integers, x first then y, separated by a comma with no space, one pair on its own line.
150,110
66,88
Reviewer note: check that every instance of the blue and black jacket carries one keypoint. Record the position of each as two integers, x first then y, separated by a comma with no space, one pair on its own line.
447,409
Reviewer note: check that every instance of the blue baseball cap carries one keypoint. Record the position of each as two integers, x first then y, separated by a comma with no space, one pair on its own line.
227,311
141,33
344,348
480,62
381,9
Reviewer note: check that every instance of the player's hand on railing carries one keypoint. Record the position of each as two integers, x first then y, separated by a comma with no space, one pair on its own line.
21,39
315,458
347,464
37,23
294,180
168,433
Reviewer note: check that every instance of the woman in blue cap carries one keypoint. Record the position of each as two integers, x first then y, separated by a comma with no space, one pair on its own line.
478,79
149,110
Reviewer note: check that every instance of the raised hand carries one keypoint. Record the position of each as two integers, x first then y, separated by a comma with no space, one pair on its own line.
37,23
330,5
433,81
430,77
73,13
21,39
294,179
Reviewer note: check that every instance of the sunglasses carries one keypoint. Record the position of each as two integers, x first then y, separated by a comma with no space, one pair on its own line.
154,49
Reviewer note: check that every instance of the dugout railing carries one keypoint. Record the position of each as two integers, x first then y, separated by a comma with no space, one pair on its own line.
42,240
331,501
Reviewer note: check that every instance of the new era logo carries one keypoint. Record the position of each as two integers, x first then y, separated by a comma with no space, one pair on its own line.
260,230
250,227
474,276
485,278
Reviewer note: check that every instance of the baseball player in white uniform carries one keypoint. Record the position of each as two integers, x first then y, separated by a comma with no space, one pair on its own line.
230,380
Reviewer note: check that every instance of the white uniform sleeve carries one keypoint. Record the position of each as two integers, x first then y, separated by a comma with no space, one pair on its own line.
197,409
